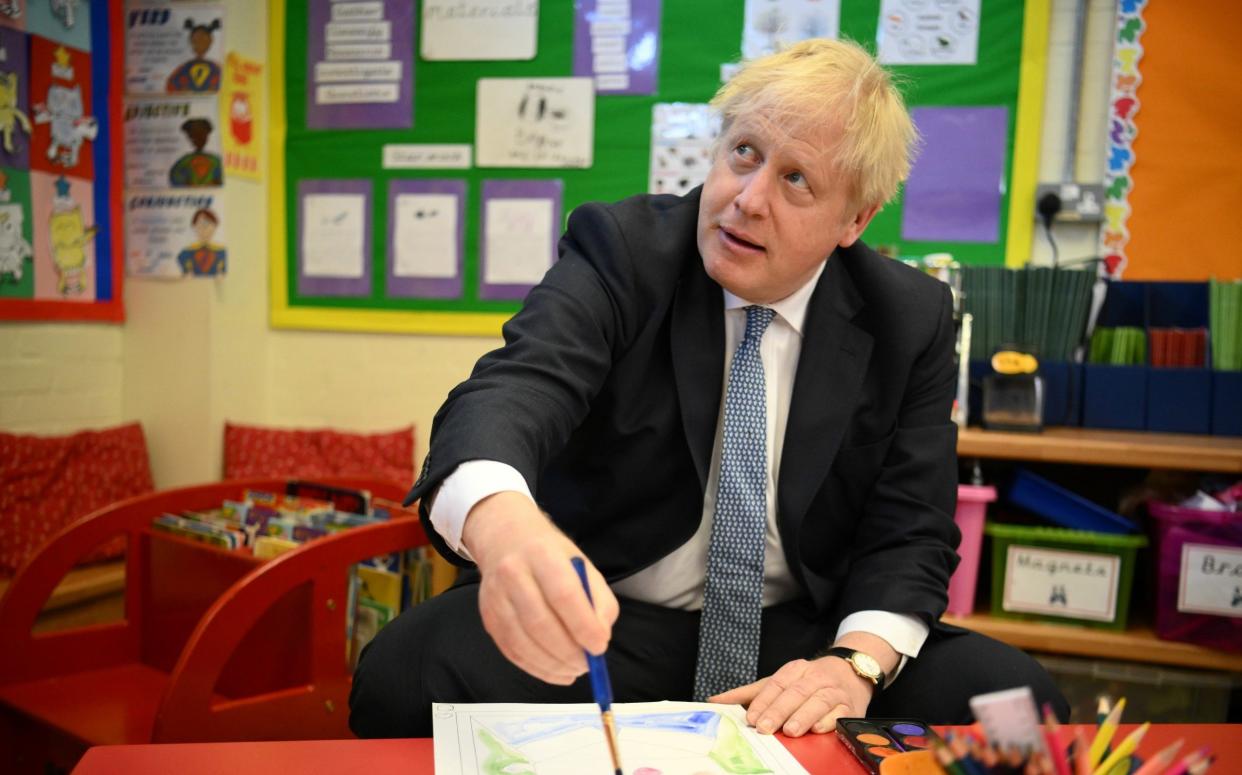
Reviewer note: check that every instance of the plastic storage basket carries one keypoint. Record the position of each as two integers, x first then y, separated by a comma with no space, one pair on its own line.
1058,574
1198,575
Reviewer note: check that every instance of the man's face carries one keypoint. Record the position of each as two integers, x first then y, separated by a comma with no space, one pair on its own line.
773,208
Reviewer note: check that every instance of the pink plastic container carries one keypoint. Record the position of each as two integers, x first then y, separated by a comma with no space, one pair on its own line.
972,506
1175,527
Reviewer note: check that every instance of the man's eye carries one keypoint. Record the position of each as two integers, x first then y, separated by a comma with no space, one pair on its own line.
797,178
742,149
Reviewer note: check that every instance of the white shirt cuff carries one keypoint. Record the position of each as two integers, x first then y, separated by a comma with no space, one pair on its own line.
905,633
470,483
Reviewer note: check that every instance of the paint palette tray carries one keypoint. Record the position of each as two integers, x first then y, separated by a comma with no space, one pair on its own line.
874,740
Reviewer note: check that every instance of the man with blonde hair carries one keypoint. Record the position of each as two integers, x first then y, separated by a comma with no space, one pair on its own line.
739,415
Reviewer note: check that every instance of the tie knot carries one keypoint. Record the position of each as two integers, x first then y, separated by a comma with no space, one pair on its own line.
757,321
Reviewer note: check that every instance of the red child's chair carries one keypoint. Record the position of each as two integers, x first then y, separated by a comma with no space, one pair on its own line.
214,646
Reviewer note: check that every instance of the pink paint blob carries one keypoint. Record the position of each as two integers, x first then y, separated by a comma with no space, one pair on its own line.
647,771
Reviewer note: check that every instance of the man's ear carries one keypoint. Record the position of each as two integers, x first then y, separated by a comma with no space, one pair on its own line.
858,224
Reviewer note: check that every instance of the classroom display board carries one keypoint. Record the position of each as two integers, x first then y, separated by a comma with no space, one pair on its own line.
60,85
426,155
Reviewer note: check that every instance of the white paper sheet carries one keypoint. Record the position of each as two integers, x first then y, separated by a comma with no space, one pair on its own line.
333,234
916,32
774,24
426,235
681,139
672,738
519,240
480,29
535,122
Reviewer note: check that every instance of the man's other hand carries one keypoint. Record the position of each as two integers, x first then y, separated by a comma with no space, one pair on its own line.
530,597
803,696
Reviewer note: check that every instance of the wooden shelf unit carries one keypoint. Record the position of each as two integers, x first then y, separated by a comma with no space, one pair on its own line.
1136,644
1089,446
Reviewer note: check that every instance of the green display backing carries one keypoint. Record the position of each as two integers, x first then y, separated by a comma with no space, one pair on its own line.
696,37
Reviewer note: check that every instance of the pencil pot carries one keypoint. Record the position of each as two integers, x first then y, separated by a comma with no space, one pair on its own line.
1114,397
972,504
1179,400
1227,403
1059,574
1198,575
1062,393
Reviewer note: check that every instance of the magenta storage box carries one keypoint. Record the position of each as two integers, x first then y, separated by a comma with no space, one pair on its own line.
972,504
1198,575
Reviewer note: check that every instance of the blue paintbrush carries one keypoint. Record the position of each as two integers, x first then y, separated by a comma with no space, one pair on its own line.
600,685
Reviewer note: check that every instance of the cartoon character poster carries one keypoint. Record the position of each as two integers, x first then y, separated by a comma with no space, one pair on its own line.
64,21
15,126
173,142
63,118
173,233
174,49
16,251
64,237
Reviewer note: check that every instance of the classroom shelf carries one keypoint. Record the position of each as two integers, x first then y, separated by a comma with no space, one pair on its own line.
1137,644
1137,449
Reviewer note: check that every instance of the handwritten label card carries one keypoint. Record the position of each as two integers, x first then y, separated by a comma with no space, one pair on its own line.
424,156
360,65
535,122
1211,580
1078,585
521,220
480,29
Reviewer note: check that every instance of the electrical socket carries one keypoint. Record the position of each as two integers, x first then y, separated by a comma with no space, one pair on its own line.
1081,202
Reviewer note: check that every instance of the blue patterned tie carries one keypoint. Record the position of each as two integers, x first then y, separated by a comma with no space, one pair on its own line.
733,592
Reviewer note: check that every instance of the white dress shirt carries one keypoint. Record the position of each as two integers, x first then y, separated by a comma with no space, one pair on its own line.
676,581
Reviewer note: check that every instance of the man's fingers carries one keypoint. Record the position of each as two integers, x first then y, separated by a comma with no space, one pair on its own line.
829,722
519,648
773,687
529,611
564,597
742,695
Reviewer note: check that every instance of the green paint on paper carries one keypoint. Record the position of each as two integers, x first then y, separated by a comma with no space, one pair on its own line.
733,753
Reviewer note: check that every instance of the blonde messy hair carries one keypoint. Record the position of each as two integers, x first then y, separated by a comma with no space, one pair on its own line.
819,81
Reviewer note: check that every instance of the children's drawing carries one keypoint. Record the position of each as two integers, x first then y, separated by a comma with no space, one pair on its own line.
198,74
203,257
11,116
198,168
11,9
70,240
655,739
14,249
70,127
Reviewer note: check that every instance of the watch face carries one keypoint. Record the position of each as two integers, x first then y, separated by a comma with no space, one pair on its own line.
867,664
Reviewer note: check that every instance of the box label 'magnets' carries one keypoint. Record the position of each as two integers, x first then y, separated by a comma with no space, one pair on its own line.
1079,585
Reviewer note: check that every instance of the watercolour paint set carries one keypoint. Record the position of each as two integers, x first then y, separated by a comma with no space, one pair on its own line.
873,741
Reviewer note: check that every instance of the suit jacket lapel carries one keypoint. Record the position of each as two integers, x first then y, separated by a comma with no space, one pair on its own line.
834,358
697,334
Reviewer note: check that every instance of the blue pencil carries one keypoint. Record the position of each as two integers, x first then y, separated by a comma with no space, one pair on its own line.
600,685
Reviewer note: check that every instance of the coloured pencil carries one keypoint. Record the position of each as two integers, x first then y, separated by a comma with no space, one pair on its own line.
1123,749
1082,754
1161,761
1188,761
1104,736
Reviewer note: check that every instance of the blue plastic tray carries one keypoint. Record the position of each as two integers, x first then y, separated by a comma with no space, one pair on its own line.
1063,507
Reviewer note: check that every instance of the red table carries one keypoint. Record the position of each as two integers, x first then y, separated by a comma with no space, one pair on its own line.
818,753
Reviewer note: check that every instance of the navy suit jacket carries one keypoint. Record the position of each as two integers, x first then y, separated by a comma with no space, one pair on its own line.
606,393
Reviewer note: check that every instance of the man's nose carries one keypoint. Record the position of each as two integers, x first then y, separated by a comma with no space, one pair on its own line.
752,199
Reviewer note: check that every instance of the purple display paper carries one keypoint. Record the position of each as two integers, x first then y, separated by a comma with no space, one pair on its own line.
362,115
336,286
17,61
954,190
642,45
425,287
515,189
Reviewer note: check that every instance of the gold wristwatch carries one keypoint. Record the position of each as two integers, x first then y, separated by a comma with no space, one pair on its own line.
864,665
